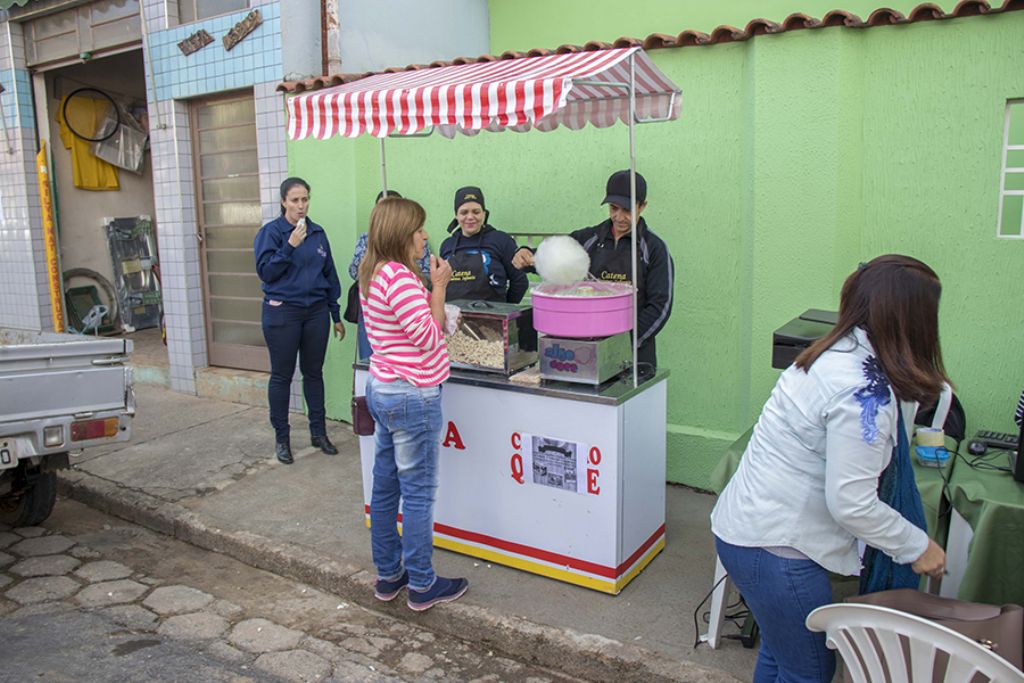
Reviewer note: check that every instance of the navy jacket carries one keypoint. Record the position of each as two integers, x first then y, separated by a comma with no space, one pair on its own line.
501,247
300,276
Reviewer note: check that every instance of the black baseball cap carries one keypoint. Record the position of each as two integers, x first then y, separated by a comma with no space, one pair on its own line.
469,194
617,189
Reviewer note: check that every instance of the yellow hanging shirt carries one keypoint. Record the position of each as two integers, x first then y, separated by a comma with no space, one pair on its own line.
90,172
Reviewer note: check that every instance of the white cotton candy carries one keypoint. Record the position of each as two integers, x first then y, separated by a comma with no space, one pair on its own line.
561,260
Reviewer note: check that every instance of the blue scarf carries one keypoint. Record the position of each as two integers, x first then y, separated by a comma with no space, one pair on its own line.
897,489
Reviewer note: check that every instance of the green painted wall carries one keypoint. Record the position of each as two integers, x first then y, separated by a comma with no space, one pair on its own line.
796,156
330,170
526,24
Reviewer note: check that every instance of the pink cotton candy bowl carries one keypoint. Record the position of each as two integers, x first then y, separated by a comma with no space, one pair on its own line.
583,309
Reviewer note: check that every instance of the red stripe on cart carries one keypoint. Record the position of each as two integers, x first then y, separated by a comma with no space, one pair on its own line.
545,555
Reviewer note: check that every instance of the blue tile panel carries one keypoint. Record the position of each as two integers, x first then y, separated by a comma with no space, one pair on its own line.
18,89
256,59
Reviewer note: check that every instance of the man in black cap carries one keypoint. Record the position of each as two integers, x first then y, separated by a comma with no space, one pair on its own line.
611,258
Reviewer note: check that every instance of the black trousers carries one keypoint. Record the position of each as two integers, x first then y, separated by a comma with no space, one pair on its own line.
293,331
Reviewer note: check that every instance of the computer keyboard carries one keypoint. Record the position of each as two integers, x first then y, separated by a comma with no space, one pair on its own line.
997,440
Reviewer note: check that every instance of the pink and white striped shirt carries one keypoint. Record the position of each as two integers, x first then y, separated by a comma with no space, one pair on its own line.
407,342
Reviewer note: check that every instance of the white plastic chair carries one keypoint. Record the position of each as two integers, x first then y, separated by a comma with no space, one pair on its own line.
849,629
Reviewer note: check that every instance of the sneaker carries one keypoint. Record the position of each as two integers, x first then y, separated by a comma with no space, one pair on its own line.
389,590
443,590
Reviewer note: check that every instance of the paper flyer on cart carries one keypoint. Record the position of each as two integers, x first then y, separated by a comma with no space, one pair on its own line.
554,462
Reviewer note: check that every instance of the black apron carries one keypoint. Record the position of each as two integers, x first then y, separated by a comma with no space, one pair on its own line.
471,278
613,262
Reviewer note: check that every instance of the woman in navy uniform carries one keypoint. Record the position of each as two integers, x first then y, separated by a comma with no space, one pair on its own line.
611,259
480,255
301,290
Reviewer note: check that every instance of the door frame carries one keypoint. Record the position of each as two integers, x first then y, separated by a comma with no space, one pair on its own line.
219,354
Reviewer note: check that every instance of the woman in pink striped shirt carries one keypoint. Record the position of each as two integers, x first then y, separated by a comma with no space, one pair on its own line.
404,323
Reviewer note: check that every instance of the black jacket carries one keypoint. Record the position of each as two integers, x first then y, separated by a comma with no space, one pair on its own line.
656,271
501,248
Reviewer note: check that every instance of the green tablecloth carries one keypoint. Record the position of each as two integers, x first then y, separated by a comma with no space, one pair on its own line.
992,502
929,483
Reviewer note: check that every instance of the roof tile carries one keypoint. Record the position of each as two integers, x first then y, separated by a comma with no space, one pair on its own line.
657,41
799,20
883,16
727,34
926,11
839,17
691,37
972,8
626,41
760,27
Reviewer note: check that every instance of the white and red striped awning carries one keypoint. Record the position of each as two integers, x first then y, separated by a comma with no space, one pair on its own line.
535,92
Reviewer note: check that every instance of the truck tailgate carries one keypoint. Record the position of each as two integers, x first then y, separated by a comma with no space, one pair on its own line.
67,392
44,380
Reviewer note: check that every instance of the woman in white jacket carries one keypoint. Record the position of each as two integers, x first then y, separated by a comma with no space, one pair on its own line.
807,487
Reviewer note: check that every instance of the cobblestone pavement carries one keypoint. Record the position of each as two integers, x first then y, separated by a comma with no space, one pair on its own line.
92,598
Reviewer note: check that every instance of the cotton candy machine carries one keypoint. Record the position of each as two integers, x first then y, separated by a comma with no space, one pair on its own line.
583,309
585,328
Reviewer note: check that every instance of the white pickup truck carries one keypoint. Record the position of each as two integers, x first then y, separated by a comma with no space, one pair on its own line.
59,393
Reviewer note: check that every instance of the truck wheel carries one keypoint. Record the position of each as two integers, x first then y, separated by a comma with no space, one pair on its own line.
33,504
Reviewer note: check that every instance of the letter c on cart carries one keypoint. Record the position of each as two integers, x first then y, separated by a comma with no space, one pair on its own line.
516,463
452,438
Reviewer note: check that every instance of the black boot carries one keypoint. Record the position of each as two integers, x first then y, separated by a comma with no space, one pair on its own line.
324,444
284,452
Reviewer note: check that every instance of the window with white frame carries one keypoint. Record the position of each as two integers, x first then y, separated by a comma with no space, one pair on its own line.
1011,190
195,10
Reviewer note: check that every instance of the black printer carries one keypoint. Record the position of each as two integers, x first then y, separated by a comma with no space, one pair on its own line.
799,333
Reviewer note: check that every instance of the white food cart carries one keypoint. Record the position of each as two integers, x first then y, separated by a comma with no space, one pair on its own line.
566,481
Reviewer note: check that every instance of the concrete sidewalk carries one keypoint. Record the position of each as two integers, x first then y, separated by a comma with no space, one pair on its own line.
203,471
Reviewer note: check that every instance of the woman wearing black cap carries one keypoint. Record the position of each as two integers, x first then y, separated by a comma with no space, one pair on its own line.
480,255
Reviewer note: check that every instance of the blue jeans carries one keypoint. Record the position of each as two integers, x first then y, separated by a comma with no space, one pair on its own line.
292,331
407,439
780,593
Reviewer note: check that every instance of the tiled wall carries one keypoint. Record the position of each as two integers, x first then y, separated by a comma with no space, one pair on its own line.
256,59
174,197
24,288
254,63
271,144
17,98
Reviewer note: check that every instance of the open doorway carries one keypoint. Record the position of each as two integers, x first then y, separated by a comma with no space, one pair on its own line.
105,211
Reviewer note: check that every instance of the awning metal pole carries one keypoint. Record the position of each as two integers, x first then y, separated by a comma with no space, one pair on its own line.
383,170
632,206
